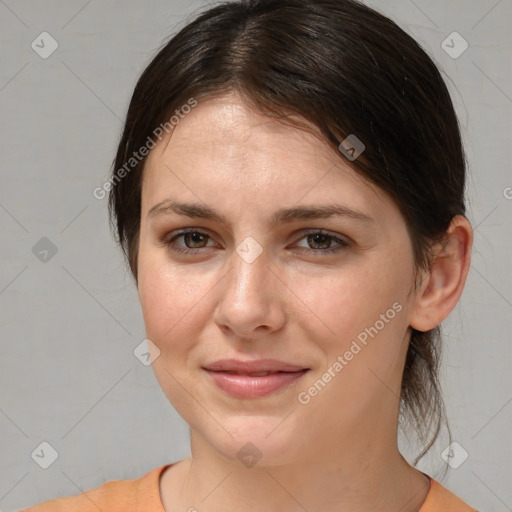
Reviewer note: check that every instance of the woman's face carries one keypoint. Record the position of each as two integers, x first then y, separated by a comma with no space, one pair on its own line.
254,282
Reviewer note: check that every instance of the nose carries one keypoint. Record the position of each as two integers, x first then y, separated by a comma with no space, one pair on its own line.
250,299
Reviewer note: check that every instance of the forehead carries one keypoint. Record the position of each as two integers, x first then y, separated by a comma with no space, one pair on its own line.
224,145
225,128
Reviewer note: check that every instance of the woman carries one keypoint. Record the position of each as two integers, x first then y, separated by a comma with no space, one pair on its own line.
289,193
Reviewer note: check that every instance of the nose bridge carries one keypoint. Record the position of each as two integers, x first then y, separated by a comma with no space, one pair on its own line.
248,300
248,280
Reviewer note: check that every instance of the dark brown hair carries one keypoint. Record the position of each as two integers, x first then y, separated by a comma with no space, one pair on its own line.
346,69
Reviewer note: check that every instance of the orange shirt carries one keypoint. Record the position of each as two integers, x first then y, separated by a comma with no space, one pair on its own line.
143,495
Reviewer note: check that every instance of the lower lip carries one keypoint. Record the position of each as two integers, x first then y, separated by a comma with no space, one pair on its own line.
246,386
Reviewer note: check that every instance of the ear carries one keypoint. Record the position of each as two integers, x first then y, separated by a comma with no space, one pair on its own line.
441,287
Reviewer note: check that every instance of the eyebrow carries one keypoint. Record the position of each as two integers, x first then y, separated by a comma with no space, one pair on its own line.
284,215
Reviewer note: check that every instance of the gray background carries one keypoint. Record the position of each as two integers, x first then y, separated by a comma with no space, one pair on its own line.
69,325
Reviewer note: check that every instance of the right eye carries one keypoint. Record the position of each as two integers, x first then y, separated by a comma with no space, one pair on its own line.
193,240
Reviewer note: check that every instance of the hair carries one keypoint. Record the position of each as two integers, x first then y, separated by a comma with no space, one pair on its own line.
345,69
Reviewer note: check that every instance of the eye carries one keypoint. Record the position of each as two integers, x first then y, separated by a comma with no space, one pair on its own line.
321,243
193,240
317,242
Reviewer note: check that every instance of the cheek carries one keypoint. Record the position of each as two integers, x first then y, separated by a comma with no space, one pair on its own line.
348,301
366,316
174,314
364,305
170,299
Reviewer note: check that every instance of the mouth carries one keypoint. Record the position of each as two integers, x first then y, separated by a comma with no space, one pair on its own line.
253,367
240,384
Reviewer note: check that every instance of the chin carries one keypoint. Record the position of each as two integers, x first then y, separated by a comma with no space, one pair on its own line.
257,441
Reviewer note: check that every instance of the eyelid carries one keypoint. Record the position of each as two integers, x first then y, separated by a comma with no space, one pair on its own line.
181,232
342,241
320,231
303,232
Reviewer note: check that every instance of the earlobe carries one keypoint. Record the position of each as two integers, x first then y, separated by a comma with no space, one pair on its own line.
442,285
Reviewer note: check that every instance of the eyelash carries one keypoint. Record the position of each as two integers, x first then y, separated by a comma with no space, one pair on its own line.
320,252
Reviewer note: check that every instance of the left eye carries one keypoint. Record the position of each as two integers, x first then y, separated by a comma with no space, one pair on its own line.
322,242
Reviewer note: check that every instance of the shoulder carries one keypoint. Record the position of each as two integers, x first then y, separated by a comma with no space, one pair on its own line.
137,495
440,499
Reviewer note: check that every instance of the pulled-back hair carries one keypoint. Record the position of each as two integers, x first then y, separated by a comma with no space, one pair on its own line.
347,70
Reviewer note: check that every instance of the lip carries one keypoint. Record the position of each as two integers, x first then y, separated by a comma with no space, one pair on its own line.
251,386
260,365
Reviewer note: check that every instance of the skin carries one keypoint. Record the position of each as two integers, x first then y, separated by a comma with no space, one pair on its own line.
292,303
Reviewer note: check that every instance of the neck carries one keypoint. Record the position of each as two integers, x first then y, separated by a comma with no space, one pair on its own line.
346,476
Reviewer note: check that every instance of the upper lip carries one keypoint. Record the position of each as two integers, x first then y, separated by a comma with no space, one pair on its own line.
261,365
